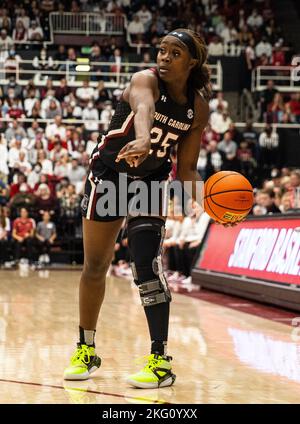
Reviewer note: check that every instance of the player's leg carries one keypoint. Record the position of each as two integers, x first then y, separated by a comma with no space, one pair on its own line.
99,239
145,238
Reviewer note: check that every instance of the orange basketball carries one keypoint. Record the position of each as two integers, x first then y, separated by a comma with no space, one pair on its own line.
228,196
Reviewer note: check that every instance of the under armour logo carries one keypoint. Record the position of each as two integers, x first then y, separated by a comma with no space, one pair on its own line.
98,180
177,33
163,98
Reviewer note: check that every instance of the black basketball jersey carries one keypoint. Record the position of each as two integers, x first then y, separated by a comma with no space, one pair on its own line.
171,122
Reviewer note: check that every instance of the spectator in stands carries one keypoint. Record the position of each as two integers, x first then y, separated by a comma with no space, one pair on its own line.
247,163
85,93
47,164
294,189
218,101
19,182
278,55
144,14
58,151
266,199
34,175
53,110
293,108
22,165
15,109
208,135
215,159
92,142
269,148
106,115
276,109
4,194
286,203
220,120
116,60
14,151
263,47
45,236
19,32
229,148
266,97
251,137
12,85
62,90
245,35
61,167
5,20
23,18
191,234
201,163
229,33
60,56
56,128
215,47
14,129
4,171
76,173
91,117
255,19
136,27
28,88
35,32
4,233
45,105
97,56
34,130
29,102
69,209
22,234
6,44
43,63
101,95
45,201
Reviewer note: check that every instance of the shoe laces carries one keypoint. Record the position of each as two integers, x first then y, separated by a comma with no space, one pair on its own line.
82,355
152,360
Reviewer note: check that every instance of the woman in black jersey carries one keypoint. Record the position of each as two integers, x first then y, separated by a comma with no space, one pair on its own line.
160,108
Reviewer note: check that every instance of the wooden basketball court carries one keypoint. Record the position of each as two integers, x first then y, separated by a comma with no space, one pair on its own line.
220,355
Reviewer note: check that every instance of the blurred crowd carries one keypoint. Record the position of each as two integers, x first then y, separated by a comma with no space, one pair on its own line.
43,164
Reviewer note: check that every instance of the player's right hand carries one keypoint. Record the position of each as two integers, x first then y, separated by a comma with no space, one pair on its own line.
135,152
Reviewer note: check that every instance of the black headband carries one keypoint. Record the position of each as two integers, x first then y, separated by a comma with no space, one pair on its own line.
186,39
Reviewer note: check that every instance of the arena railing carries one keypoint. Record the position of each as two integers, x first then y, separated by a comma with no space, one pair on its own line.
285,78
76,71
76,121
87,23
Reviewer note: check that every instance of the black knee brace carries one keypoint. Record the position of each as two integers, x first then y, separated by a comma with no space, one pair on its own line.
145,238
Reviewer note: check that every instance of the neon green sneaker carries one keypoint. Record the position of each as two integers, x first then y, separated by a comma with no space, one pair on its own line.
157,373
83,363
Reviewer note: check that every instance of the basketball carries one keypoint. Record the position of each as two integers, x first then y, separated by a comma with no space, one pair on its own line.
228,197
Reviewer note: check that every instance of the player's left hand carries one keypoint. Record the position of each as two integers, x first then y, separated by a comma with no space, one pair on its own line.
229,224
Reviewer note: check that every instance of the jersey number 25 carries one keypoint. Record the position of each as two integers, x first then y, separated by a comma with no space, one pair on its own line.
156,137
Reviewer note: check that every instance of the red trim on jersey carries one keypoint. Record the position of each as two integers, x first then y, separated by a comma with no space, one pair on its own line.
118,134
92,214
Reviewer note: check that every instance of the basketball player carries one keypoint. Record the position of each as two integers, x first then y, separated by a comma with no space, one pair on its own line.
160,108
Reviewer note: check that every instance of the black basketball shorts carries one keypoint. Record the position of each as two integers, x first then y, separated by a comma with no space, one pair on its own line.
110,195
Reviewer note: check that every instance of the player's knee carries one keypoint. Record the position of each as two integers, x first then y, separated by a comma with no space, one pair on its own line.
145,238
95,269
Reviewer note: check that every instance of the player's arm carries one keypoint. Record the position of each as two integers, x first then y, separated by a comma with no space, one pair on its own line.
141,96
189,147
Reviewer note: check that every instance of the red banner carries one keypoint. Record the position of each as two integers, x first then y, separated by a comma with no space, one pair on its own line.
264,249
